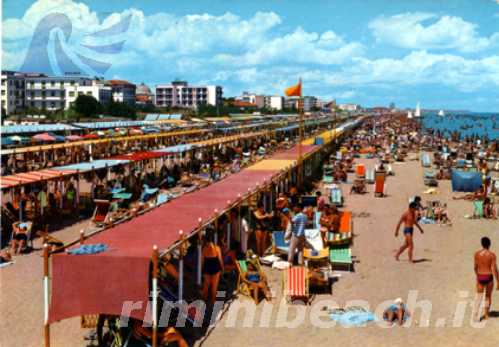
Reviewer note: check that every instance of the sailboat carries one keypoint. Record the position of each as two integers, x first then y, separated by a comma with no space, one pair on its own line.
417,113
409,114
441,113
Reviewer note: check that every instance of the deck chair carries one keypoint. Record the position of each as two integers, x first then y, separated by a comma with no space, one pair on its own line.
336,196
370,176
379,185
425,160
360,171
341,256
247,287
29,229
279,245
296,283
314,239
161,199
430,178
101,212
147,193
327,179
317,220
478,209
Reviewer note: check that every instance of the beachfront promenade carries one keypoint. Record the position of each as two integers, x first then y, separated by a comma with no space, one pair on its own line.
445,271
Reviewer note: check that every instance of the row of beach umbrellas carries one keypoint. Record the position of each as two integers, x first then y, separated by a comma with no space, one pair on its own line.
51,137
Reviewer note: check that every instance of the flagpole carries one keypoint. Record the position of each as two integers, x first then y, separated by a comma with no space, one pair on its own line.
300,154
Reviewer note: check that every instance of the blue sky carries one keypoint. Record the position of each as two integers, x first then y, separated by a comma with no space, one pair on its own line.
444,54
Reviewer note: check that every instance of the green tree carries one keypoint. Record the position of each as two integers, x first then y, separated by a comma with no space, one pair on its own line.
121,109
87,106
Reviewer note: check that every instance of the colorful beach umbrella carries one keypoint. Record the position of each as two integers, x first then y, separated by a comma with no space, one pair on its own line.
16,138
73,138
90,136
45,137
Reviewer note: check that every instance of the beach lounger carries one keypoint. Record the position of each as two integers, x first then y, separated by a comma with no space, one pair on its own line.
430,178
101,212
335,239
478,209
360,171
247,287
336,196
379,185
370,176
296,283
314,239
425,160
341,256
279,245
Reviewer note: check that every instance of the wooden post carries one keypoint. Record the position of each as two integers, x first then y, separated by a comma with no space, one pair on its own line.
181,268
200,253
216,227
77,188
46,324
155,296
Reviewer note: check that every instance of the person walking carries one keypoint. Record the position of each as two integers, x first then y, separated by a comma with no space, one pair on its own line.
298,223
409,219
485,271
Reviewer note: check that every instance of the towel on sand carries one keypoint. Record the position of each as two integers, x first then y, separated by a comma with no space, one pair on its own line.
353,317
89,249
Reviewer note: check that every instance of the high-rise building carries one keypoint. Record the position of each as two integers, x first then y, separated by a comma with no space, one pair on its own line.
181,94
274,102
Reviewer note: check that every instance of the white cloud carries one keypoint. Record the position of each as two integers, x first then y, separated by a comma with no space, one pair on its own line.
427,31
420,68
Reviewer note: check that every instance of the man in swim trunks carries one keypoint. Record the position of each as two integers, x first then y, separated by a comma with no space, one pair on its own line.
409,219
485,270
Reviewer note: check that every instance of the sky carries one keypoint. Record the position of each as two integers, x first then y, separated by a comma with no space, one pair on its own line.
442,53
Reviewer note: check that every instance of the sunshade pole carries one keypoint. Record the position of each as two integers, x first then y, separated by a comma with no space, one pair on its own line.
181,267
20,203
216,227
200,251
46,324
82,236
77,188
229,225
155,296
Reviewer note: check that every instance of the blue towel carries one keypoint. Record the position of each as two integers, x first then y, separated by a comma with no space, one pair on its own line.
353,318
425,220
89,249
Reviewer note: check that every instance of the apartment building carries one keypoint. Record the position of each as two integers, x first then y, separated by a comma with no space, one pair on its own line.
181,94
12,92
52,93
123,91
97,89
274,102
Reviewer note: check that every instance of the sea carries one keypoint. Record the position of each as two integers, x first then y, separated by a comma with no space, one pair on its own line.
471,124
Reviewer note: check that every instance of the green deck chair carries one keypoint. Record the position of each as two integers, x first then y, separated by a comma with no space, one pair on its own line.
341,256
478,209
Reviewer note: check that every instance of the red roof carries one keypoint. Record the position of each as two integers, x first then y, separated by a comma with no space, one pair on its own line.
101,283
239,103
119,82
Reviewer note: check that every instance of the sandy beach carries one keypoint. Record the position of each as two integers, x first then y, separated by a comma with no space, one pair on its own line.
443,275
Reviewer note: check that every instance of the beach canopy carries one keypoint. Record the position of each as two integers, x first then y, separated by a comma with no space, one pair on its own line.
73,138
465,181
45,137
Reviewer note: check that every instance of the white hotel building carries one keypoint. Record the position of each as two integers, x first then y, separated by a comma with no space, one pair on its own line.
180,94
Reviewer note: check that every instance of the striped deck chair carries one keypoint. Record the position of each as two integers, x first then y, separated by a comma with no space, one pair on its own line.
341,256
296,283
247,287
339,238
336,196
478,209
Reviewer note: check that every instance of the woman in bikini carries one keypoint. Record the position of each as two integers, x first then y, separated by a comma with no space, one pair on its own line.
212,265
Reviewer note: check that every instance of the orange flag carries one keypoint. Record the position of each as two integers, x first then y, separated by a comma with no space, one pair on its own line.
294,90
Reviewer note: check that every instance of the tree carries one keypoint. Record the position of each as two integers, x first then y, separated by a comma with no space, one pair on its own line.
87,106
121,109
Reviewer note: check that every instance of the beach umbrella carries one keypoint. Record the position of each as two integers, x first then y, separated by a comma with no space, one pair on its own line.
135,132
57,138
101,133
16,138
7,141
90,136
44,137
73,138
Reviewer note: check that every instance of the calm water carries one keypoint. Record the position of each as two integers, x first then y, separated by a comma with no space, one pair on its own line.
480,124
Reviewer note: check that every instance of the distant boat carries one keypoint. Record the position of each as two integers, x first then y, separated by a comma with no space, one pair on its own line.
417,113
409,115
441,113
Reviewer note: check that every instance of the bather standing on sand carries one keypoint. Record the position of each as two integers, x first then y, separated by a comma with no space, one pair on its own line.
409,220
485,270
